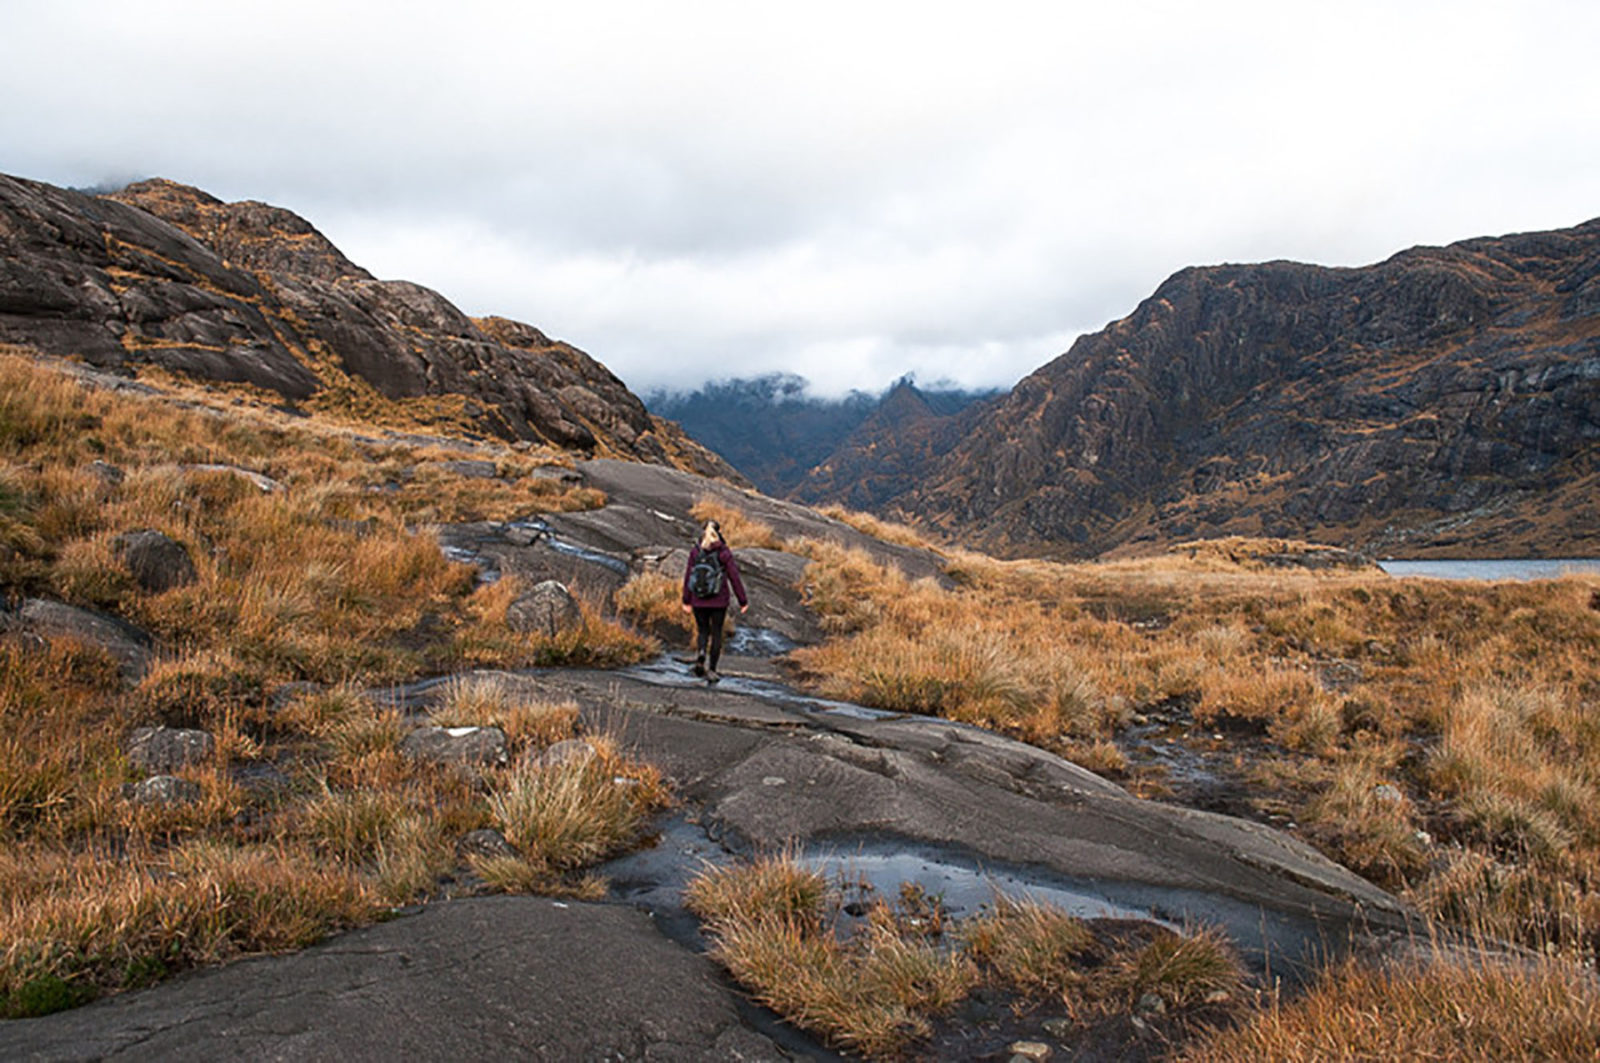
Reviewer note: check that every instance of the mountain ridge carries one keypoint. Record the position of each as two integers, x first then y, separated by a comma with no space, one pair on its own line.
789,442
1440,402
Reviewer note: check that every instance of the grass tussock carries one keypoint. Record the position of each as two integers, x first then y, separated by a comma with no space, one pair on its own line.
1441,1008
738,527
312,565
878,528
881,988
653,601
565,815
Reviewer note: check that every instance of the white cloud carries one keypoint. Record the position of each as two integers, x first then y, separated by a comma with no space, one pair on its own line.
847,191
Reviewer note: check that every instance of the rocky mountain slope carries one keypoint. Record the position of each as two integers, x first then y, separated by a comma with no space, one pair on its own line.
1444,402
793,444
165,275
906,432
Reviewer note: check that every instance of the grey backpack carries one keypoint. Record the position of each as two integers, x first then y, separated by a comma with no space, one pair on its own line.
705,575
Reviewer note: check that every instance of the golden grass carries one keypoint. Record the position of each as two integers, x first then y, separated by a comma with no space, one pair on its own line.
739,529
1471,706
530,721
653,601
1437,1008
564,816
881,988
309,817
878,528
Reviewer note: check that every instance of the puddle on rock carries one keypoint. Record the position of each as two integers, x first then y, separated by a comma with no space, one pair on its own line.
539,531
962,891
759,642
1273,944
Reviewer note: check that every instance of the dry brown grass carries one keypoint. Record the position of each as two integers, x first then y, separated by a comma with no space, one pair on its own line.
309,817
653,601
1473,707
738,527
881,988
1438,1008
878,528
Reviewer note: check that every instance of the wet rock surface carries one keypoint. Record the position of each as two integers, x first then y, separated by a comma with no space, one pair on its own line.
493,978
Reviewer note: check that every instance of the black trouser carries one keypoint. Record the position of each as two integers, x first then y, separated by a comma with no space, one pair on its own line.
708,622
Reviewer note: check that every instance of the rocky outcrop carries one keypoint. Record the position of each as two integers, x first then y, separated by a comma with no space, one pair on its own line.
549,609
163,274
1442,400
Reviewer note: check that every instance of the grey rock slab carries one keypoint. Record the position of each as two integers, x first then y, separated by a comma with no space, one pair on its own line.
931,782
673,492
128,644
492,978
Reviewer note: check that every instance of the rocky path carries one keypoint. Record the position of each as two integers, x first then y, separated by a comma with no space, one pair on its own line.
755,766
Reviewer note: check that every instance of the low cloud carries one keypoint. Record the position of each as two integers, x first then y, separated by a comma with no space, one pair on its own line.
850,192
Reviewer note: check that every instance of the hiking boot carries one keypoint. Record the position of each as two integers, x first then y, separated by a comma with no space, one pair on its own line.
712,676
699,666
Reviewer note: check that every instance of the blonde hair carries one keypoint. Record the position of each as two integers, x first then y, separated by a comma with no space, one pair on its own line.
711,535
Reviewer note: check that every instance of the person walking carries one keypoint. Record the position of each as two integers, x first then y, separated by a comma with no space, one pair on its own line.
711,572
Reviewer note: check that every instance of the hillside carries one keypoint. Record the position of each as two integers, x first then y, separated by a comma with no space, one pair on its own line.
1442,403
161,274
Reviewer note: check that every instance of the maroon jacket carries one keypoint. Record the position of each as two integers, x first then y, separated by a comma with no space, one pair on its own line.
730,578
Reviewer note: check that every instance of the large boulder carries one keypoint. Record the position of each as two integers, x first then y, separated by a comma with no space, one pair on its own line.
157,562
549,609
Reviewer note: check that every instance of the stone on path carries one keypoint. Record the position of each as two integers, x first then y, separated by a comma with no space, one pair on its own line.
485,841
456,745
549,609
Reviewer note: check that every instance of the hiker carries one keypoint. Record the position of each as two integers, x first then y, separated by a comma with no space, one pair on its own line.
712,570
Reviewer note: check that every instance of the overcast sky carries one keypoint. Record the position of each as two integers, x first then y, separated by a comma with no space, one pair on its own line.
846,191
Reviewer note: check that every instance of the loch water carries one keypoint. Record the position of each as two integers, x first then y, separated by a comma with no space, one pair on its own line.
1499,569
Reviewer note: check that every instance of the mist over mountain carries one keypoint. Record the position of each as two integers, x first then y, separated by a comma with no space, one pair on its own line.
778,435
